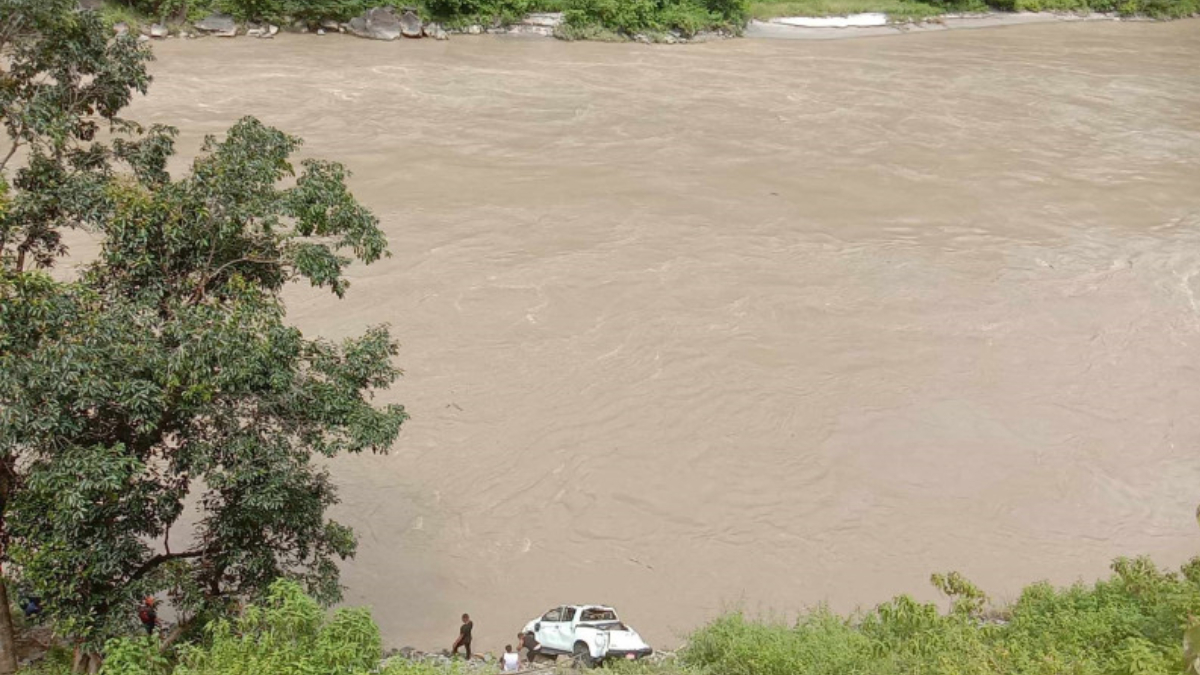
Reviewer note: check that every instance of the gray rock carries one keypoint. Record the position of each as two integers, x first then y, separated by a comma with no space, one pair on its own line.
544,19
522,29
379,23
435,31
329,24
120,28
158,31
475,30
272,30
410,24
143,38
320,31
219,25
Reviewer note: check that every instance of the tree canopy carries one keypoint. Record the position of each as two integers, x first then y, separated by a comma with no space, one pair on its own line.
165,376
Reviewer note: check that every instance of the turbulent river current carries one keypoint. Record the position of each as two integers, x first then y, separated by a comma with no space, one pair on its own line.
754,324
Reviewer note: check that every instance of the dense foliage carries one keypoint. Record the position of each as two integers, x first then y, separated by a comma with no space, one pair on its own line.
165,375
62,82
1130,624
286,633
628,17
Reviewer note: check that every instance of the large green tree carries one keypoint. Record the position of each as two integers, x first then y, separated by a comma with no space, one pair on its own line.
165,377
62,82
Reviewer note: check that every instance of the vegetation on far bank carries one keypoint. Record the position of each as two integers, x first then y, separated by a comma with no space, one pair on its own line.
622,18
1132,623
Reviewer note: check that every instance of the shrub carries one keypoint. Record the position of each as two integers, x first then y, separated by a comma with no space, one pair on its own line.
287,635
1129,624
636,16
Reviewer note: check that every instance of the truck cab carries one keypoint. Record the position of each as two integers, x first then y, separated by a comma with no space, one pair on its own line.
588,633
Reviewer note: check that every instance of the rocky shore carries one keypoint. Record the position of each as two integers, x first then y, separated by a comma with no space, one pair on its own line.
487,661
388,24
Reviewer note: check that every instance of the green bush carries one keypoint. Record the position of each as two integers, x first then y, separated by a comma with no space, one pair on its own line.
1129,624
639,16
287,635
487,12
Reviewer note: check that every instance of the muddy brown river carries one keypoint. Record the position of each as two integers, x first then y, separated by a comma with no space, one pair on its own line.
752,324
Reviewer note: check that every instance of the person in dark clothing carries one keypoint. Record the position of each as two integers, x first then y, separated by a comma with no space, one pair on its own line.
530,644
31,605
464,636
148,615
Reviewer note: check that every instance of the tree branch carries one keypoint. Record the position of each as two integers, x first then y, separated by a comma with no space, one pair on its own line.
161,558
11,151
199,294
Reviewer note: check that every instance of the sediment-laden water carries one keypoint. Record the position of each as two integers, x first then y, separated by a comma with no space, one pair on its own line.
753,323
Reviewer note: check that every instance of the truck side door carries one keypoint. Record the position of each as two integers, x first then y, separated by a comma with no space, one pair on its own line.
567,628
549,632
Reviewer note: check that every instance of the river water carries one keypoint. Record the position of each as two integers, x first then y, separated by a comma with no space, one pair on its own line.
752,323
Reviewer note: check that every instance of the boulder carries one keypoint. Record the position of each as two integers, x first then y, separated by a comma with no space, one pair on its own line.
410,24
435,31
475,30
379,23
330,24
272,30
218,24
320,31
158,31
543,19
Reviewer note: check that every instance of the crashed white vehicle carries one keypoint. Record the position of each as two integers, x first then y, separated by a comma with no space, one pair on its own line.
590,634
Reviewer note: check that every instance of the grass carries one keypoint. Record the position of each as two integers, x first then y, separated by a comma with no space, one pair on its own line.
114,13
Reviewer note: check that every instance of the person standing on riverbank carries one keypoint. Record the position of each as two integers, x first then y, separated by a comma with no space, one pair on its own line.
464,636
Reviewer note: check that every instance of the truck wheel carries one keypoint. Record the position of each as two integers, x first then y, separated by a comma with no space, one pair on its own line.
582,656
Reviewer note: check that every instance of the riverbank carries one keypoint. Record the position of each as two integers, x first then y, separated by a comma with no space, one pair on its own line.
1141,619
684,21
799,28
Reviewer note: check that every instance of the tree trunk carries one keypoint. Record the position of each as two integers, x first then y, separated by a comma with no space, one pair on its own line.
8,634
85,661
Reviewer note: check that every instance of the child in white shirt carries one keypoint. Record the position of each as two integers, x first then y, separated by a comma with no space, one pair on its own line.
509,662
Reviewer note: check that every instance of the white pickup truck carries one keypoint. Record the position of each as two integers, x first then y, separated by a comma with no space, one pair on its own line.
588,633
